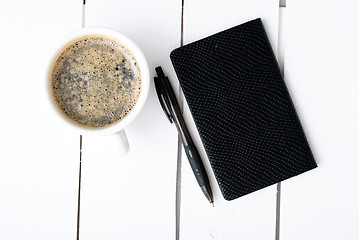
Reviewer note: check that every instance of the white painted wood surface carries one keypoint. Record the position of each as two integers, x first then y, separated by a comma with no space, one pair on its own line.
38,156
321,70
249,217
134,197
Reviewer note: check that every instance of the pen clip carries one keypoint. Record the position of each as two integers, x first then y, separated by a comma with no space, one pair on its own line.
162,98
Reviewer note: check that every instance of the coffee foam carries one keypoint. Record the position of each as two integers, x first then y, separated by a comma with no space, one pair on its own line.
95,81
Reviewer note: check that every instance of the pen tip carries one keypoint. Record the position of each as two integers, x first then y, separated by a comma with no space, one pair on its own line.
212,204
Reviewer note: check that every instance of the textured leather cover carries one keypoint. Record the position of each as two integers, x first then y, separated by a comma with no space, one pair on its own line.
242,109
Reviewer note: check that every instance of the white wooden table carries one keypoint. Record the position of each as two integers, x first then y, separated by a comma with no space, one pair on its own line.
152,193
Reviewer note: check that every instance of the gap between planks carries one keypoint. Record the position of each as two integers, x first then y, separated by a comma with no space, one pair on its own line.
281,54
179,149
79,194
80,160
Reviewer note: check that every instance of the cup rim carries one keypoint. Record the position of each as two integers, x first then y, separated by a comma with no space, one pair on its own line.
144,71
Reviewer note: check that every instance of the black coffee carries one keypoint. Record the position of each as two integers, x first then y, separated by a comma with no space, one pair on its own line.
95,81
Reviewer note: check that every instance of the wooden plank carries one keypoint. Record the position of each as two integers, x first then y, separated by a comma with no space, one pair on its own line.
134,197
251,216
321,51
38,155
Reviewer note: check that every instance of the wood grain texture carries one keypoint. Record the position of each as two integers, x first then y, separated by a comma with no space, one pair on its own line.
251,216
321,71
134,197
38,155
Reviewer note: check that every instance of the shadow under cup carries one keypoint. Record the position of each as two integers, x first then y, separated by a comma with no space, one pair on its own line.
97,82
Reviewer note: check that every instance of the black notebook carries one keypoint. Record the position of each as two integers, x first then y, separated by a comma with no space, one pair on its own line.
242,109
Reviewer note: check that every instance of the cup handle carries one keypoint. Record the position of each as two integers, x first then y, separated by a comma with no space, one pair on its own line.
124,145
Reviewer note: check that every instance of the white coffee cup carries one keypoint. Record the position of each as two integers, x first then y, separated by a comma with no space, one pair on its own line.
145,83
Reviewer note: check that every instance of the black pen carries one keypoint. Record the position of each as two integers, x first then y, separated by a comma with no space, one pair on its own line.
171,108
